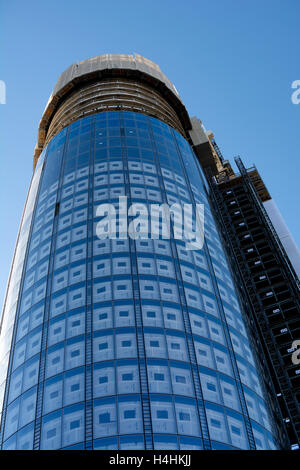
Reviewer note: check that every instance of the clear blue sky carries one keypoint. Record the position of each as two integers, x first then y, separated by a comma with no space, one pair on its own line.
232,62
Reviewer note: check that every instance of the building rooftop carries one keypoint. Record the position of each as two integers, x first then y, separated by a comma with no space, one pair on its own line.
129,66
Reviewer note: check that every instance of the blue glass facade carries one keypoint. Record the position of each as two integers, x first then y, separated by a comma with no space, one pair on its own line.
122,343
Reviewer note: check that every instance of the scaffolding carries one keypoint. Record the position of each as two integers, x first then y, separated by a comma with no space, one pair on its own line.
268,280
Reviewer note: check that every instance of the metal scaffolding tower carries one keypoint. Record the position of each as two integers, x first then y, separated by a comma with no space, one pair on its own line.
267,278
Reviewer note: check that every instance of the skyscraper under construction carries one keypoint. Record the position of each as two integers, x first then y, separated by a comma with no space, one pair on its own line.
141,342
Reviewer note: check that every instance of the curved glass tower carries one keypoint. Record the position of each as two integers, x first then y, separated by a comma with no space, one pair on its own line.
127,342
